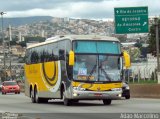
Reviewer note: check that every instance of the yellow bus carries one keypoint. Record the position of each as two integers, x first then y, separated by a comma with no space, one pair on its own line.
75,67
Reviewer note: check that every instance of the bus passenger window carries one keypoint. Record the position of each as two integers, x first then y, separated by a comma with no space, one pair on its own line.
61,54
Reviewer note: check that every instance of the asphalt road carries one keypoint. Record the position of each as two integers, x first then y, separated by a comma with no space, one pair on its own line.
19,103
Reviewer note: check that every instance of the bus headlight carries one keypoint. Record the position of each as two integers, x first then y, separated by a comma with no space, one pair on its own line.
127,87
119,95
78,89
75,94
75,88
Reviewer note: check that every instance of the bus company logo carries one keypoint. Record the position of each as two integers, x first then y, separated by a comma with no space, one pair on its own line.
50,72
98,88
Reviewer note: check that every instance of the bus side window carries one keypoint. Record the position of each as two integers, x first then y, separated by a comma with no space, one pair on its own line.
55,51
42,54
69,69
31,57
61,54
62,49
38,55
34,56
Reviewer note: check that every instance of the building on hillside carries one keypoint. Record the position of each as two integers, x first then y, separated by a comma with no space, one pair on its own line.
18,50
129,44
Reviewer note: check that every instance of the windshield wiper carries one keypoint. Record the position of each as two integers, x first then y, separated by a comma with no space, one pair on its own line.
93,69
105,73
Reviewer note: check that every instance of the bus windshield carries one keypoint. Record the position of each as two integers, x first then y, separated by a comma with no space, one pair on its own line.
97,61
97,68
110,47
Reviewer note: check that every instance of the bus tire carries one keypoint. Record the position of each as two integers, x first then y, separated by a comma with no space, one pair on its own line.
127,97
36,95
67,102
32,96
38,99
75,101
43,100
107,101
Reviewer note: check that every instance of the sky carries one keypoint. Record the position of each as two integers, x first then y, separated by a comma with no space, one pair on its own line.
89,9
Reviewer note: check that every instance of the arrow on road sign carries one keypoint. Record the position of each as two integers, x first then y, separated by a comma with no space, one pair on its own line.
144,23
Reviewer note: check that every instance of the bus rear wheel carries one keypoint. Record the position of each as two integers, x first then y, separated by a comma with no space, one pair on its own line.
32,96
107,101
43,100
38,99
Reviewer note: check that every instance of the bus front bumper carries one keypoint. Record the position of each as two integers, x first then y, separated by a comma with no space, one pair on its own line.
97,95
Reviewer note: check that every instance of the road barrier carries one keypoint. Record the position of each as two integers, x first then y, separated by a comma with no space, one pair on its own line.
145,90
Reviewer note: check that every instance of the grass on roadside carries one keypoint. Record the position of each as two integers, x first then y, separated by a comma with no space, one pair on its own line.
143,81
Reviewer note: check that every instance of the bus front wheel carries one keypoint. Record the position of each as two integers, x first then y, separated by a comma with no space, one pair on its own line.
66,101
107,101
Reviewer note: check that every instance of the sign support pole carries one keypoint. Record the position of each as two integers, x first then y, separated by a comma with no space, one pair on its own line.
157,47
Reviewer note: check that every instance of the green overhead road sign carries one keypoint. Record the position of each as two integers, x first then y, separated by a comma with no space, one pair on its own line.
131,20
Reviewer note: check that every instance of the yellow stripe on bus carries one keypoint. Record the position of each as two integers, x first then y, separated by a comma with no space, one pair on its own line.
97,87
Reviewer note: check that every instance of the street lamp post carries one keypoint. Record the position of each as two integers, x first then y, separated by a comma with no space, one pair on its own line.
2,13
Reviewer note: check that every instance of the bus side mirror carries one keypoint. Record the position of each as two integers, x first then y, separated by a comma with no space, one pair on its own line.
71,58
127,62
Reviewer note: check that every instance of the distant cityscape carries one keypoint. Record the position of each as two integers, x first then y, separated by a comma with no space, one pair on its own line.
38,29
59,26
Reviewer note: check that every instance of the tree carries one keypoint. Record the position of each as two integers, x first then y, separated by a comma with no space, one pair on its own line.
122,38
23,43
13,42
138,45
38,38
152,39
3,74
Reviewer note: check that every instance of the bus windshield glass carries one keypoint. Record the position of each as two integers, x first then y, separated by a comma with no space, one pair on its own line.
110,47
97,61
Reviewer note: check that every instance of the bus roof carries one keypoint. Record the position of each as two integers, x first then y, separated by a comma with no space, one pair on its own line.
75,37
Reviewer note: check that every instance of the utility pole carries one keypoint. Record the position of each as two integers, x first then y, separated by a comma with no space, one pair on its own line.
4,62
157,47
10,39
157,43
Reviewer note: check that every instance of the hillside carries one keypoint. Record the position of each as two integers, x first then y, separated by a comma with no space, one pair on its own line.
24,20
